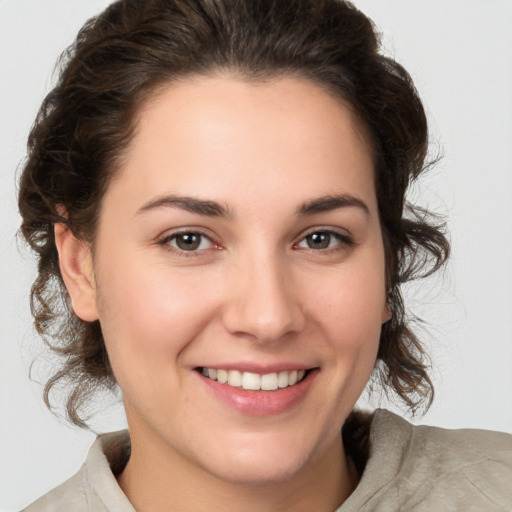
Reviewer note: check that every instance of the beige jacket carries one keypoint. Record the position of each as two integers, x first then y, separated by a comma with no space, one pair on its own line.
413,469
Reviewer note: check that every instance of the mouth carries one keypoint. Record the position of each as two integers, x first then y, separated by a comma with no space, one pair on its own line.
263,393
254,381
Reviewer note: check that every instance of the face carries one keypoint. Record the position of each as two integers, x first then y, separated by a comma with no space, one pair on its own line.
240,280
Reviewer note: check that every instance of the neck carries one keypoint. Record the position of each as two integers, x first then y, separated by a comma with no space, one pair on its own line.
156,476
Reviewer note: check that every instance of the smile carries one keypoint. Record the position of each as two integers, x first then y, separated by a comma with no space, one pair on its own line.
254,381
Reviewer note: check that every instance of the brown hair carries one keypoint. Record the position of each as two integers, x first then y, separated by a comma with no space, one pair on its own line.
120,57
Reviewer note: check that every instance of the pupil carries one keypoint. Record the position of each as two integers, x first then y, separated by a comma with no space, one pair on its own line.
188,241
319,240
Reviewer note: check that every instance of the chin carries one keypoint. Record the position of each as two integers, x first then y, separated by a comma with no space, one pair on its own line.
259,462
251,473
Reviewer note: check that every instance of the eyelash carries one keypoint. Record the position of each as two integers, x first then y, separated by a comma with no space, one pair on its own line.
165,242
344,241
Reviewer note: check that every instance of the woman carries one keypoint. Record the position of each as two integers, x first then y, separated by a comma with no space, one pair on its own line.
218,190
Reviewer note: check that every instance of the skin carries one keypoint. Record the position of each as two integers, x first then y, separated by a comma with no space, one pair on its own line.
254,291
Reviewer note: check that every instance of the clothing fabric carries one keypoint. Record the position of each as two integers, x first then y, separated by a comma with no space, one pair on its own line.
409,468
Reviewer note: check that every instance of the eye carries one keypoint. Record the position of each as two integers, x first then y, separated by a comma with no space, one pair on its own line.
319,240
189,241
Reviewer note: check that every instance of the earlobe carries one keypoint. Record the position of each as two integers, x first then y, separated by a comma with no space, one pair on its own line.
76,267
386,314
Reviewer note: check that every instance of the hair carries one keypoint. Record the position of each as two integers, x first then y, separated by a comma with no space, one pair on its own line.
124,55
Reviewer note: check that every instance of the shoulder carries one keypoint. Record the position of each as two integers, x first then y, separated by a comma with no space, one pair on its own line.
94,487
428,468
69,495
435,445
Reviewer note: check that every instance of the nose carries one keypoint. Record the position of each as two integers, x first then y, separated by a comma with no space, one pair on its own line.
263,302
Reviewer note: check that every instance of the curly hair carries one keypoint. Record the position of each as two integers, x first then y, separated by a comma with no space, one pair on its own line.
121,57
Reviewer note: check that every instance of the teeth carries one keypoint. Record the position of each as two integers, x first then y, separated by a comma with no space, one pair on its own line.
255,381
222,376
234,378
269,382
282,379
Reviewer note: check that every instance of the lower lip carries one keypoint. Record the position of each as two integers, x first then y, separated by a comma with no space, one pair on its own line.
261,403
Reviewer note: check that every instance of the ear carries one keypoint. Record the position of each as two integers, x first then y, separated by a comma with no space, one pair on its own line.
386,314
76,267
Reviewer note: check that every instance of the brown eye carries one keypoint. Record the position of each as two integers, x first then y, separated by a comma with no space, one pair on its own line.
319,240
189,241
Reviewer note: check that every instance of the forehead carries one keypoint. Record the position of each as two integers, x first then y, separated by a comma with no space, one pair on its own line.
223,137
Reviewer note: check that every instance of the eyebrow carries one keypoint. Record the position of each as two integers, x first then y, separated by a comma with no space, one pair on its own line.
189,204
213,209
328,203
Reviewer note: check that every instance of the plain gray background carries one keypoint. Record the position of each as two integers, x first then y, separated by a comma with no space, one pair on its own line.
459,53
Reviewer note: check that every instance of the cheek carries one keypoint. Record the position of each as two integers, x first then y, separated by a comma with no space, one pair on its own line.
148,316
350,314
